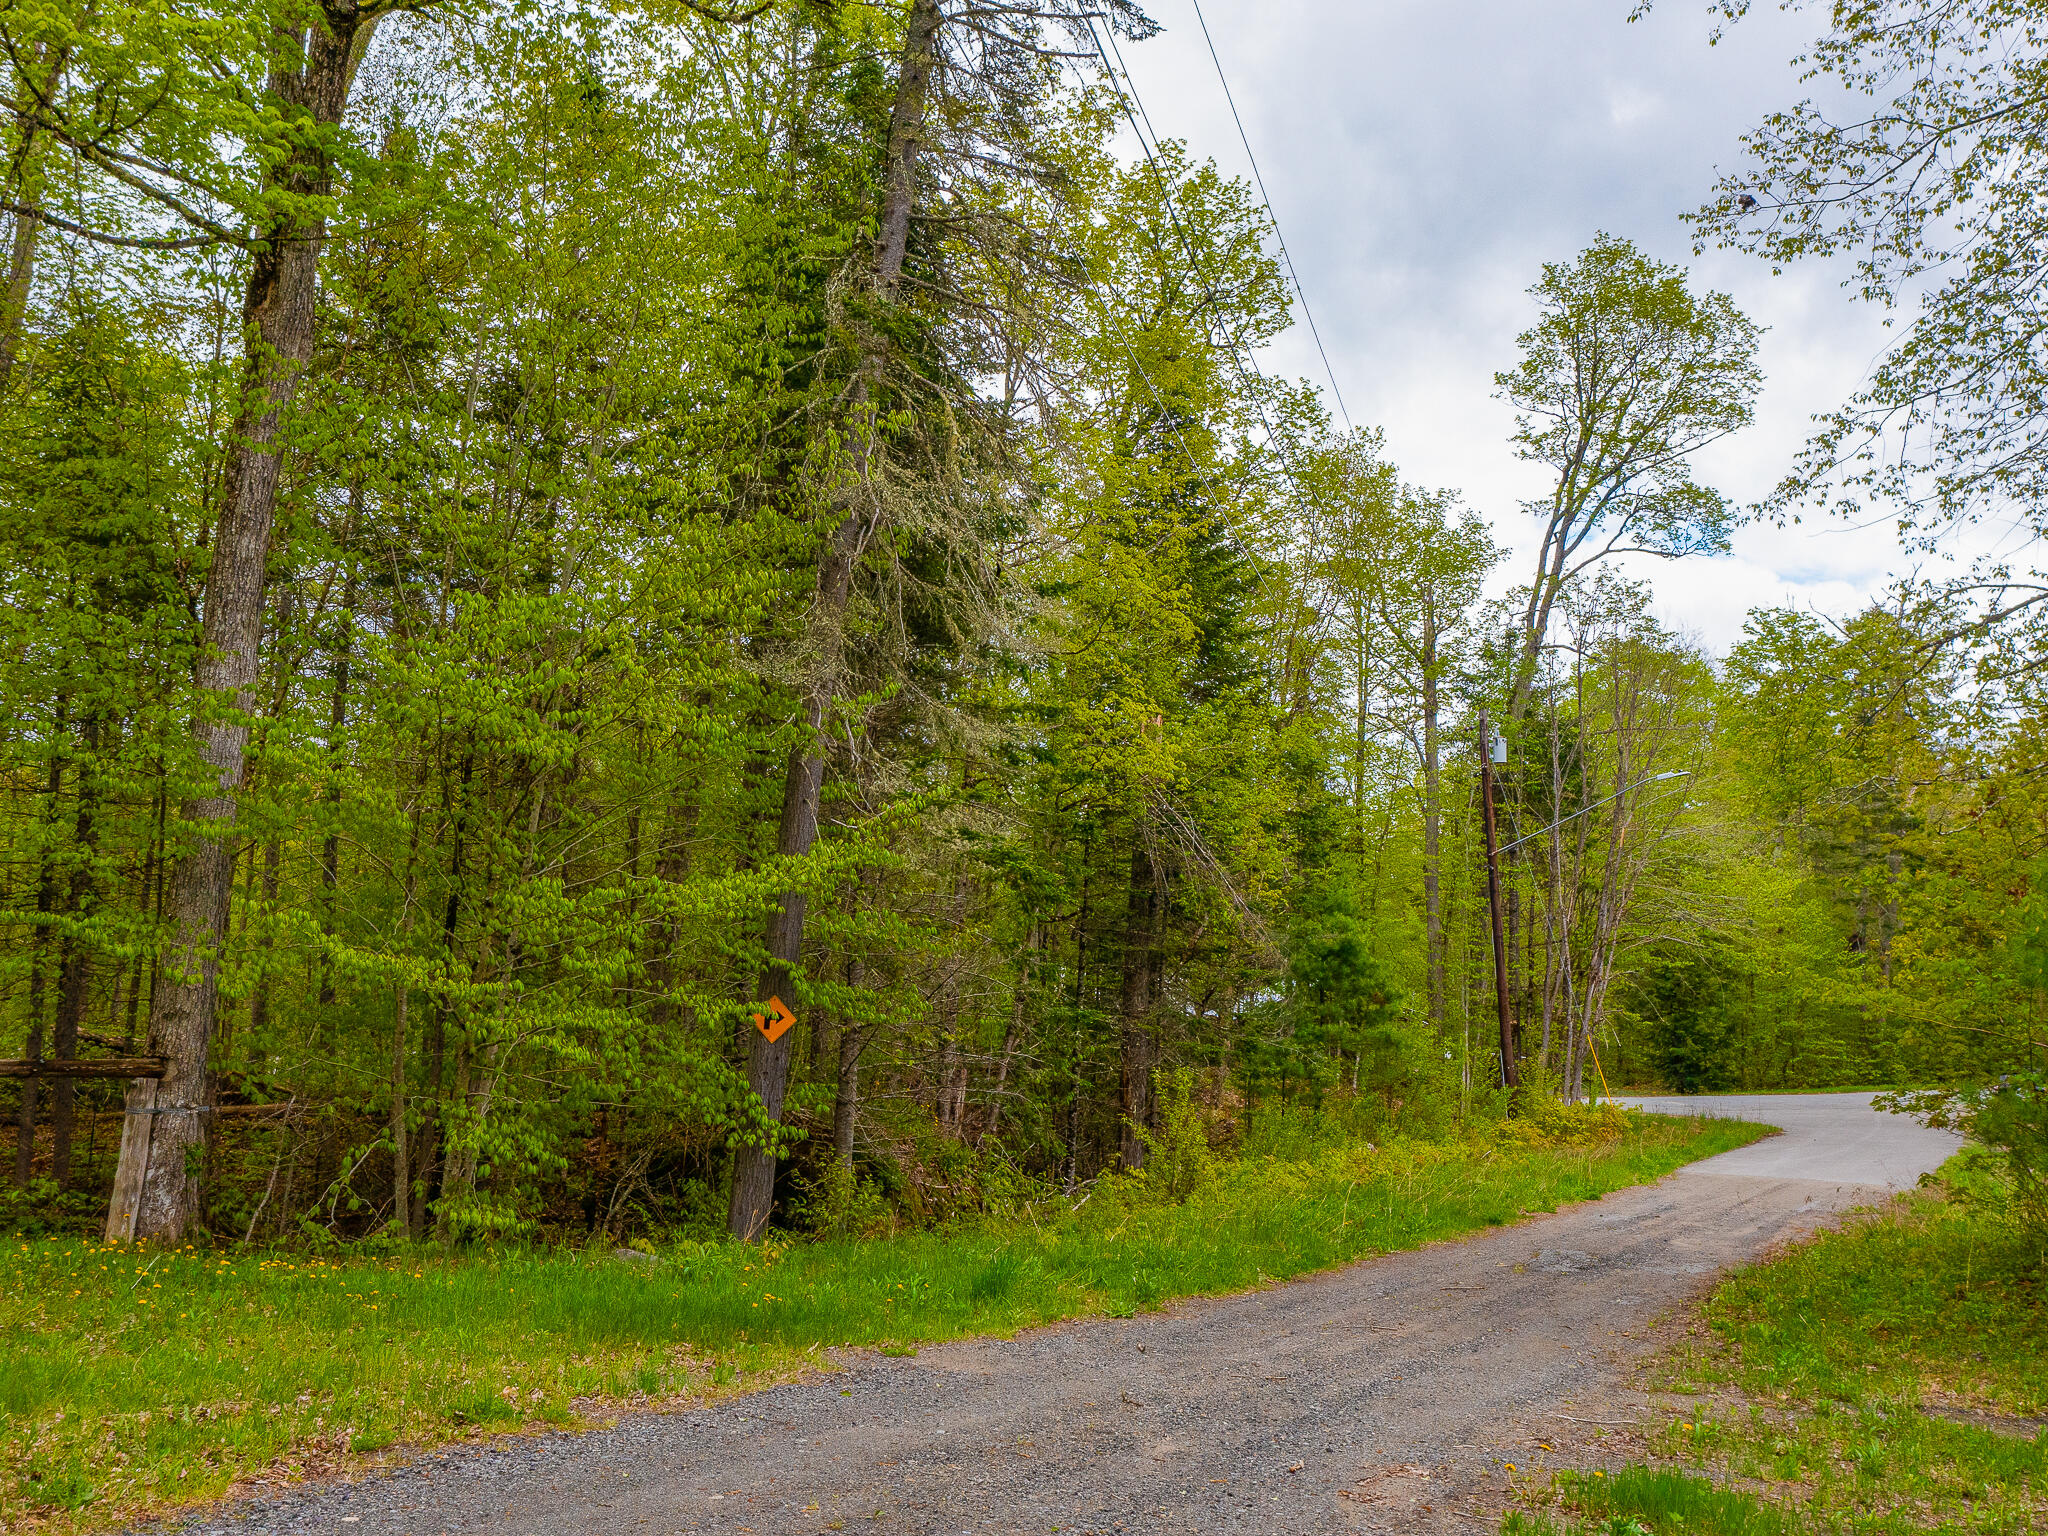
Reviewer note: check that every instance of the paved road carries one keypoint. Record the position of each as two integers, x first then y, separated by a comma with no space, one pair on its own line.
1382,1397
1829,1138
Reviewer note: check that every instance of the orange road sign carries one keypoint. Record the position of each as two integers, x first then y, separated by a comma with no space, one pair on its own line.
775,1023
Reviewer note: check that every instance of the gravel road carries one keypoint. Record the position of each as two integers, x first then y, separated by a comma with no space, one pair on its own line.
1383,1397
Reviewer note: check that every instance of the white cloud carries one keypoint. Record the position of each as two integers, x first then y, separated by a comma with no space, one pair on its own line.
1425,159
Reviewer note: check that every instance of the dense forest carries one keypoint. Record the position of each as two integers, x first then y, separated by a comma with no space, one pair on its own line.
531,530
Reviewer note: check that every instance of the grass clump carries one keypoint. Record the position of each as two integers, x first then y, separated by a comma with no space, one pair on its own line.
1647,1501
135,1381
1891,1376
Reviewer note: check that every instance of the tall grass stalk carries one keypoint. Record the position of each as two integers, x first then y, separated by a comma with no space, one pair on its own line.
132,1382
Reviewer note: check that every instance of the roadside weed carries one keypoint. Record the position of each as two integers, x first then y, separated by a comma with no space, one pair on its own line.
137,1381
1889,1377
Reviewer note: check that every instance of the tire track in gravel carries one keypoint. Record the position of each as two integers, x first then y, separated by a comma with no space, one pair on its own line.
1385,1396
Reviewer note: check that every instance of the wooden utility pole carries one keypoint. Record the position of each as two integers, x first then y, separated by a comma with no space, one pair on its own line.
1509,1077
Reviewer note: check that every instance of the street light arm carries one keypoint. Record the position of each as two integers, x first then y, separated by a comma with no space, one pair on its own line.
1676,773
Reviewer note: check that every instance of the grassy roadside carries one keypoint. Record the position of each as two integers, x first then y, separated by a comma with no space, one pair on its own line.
133,1382
1890,1377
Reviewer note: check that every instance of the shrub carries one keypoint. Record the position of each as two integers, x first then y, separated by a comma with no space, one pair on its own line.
839,1203
1178,1160
2011,1117
1549,1122
44,1210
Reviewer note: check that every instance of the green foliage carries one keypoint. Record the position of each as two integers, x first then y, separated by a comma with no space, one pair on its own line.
1685,1001
1142,736
1645,1501
122,1371
1886,1377
1626,373
1179,1159
1938,1290
1342,1003
41,1208
840,1204
2010,1117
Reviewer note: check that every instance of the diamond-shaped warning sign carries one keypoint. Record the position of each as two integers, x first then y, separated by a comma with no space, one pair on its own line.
775,1023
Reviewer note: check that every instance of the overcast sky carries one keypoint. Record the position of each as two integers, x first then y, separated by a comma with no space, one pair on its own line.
1426,157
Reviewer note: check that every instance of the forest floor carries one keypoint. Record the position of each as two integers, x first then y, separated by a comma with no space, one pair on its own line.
133,1385
1889,1377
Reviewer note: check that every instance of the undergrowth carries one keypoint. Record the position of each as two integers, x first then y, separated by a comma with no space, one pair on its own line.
1885,1378
133,1381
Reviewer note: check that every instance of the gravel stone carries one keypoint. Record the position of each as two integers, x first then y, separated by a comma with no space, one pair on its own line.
1388,1396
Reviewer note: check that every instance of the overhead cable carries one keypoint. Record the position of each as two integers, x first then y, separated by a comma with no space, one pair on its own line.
1258,176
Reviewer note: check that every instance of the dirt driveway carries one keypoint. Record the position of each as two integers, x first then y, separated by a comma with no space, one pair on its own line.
1386,1396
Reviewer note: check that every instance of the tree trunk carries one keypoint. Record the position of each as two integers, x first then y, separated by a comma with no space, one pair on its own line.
337,719
753,1179
401,1160
1510,1076
74,966
1013,1036
401,1172
14,296
1432,830
952,1087
25,185
46,900
310,80
259,1001
1142,961
846,1102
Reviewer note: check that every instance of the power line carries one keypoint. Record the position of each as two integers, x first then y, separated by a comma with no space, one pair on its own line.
1258,176
1108,314
1241,355
1168,416
1127,97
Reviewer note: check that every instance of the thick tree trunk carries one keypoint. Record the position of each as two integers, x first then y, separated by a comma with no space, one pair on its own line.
753,1178
1142,963
753,1174
310,80
14,295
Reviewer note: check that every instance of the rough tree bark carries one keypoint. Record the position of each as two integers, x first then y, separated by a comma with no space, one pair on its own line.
310,79
24,191
753,1178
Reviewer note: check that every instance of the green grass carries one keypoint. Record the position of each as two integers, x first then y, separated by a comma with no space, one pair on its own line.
1816,1377
136,1381
1645,1501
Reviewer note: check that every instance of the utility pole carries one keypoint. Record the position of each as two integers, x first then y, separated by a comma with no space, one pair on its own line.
1509,1077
